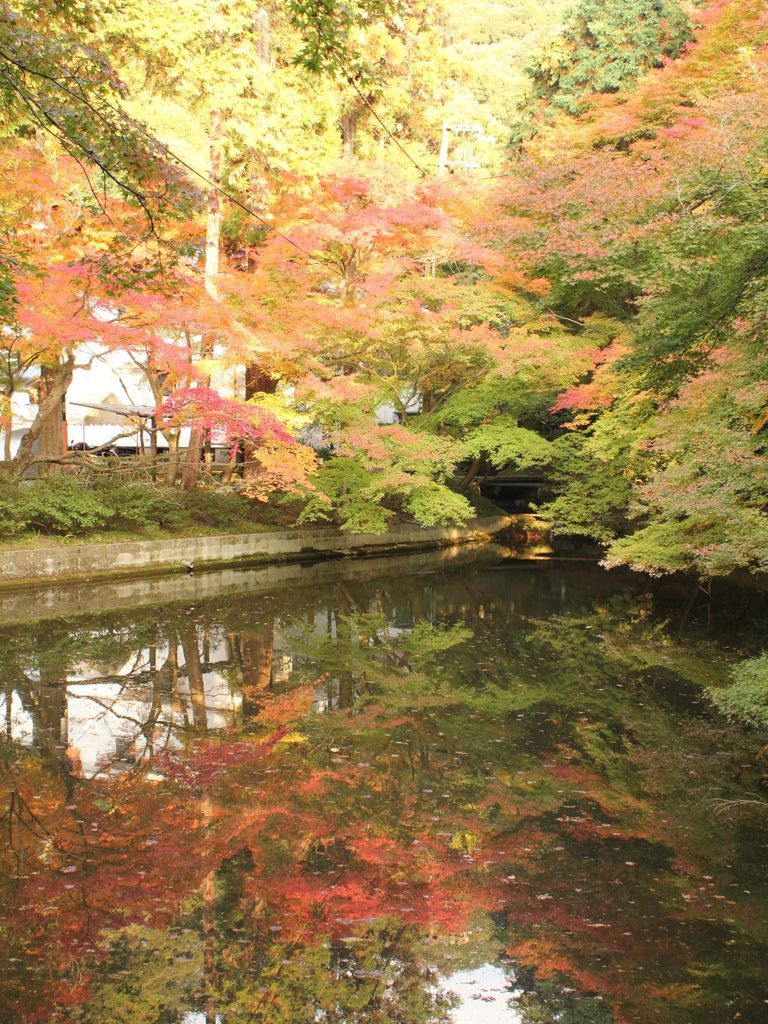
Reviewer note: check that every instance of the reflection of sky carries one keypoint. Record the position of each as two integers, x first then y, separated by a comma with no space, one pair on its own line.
14,720
484,996
111,712
103,722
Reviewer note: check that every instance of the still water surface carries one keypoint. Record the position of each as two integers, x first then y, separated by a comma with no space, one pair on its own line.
497,795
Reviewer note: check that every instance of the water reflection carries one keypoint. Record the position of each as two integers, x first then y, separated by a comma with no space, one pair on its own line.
492,796
482,996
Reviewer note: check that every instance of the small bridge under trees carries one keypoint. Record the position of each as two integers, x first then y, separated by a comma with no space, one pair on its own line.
514,492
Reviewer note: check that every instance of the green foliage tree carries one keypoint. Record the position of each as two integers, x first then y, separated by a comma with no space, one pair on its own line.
665,464
604,48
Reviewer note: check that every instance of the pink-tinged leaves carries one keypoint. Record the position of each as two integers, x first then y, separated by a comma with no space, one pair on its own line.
204,408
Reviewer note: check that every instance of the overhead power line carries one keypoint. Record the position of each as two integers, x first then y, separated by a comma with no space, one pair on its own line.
80,98
45,120
350,79
393,137
237,202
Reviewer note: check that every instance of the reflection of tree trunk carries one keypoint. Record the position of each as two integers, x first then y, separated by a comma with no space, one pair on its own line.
170,669
233,652
195,677
346,690
155,707
47,706
51,711
163,685
424,755
257,653
209,940
420,607
209,930
346,595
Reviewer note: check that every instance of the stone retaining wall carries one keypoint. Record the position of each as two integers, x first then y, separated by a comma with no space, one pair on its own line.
91,561
79,599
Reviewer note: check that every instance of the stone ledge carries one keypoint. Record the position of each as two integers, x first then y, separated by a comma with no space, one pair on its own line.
79,600
31,566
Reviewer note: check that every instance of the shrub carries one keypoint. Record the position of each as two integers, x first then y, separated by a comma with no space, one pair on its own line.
217,508
130,503
62,504
69,505
12,521
747,699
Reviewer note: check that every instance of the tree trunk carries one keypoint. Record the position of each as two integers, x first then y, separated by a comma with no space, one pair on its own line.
213,223
8,428
173,460
51,437
473,471
349,132
197,438
231,466
262,34
48,423
257,382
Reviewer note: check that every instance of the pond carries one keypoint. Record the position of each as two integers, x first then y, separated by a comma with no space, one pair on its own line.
484,792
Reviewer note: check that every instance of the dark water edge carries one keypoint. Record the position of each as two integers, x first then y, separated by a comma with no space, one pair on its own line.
439,788
70,599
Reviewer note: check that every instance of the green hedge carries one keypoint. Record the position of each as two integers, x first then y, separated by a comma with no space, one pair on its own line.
70,506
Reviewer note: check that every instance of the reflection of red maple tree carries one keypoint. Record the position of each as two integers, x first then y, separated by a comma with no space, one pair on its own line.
335,841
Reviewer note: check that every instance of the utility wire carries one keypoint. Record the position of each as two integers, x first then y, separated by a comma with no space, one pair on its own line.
236,202
81,98
40,114
350,79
